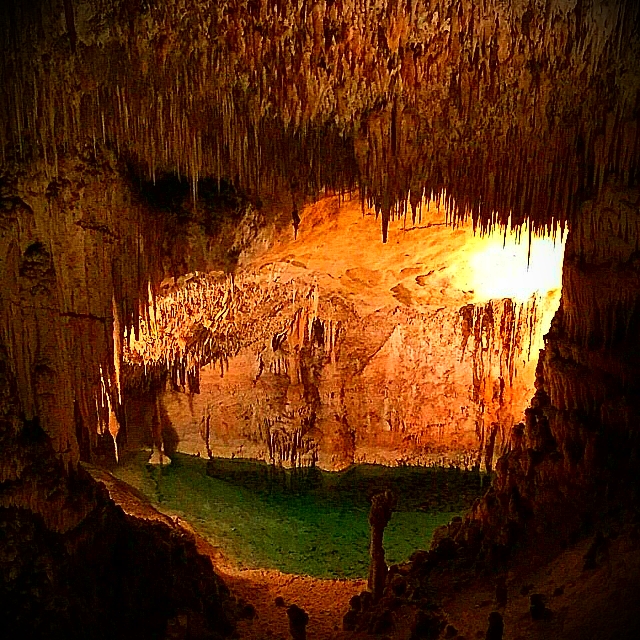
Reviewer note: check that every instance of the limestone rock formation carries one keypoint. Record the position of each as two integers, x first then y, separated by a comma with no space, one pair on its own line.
75,564
516,109
320,362
70,288
506,112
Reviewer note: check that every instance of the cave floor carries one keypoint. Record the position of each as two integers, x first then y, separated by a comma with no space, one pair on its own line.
326,602
598,604
602,603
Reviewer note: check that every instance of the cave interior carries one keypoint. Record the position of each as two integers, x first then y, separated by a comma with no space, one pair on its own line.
387,250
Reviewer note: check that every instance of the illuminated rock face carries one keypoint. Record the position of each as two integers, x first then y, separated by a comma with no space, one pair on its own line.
505,106
521,109
71,288
385,356
578,452
397,387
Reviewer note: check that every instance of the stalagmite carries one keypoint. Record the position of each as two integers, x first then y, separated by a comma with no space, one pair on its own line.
382,506
298,620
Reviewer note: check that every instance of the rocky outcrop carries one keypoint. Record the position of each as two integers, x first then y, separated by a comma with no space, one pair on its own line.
73,564
80,256
571,469
76,565
576,453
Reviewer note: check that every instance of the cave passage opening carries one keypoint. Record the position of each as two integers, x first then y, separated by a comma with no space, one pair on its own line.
331,357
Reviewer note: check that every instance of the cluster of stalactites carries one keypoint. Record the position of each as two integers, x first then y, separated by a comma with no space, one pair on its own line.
289,447
210,318
500,328
514,108
501,337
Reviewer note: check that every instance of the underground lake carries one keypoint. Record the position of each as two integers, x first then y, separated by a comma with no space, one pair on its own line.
302,521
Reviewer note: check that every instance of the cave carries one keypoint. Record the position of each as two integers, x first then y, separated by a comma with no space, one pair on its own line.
343,267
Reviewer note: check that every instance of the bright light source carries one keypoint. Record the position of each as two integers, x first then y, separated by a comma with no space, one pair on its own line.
505,270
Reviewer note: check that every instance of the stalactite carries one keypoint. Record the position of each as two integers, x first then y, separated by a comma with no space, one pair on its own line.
209,320
483,126
499,336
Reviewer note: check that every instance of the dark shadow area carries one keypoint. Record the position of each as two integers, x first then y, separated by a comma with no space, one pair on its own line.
74,565
213,218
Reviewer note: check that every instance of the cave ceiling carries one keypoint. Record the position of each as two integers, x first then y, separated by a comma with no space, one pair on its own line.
517,110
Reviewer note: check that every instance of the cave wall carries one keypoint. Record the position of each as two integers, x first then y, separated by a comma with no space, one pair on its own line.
80,257
74,564
516,110
65,282
574,460
368,351
399,385
77,255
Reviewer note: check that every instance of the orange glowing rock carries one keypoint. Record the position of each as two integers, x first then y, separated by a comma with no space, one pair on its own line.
419,350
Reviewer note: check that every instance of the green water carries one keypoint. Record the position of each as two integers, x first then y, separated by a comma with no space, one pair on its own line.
312,523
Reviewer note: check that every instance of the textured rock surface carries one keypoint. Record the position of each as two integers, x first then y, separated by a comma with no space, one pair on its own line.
520,110
79,257
316,357
514,108
77,254
73,564
572,467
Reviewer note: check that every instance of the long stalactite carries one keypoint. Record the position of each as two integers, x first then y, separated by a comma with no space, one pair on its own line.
516,109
